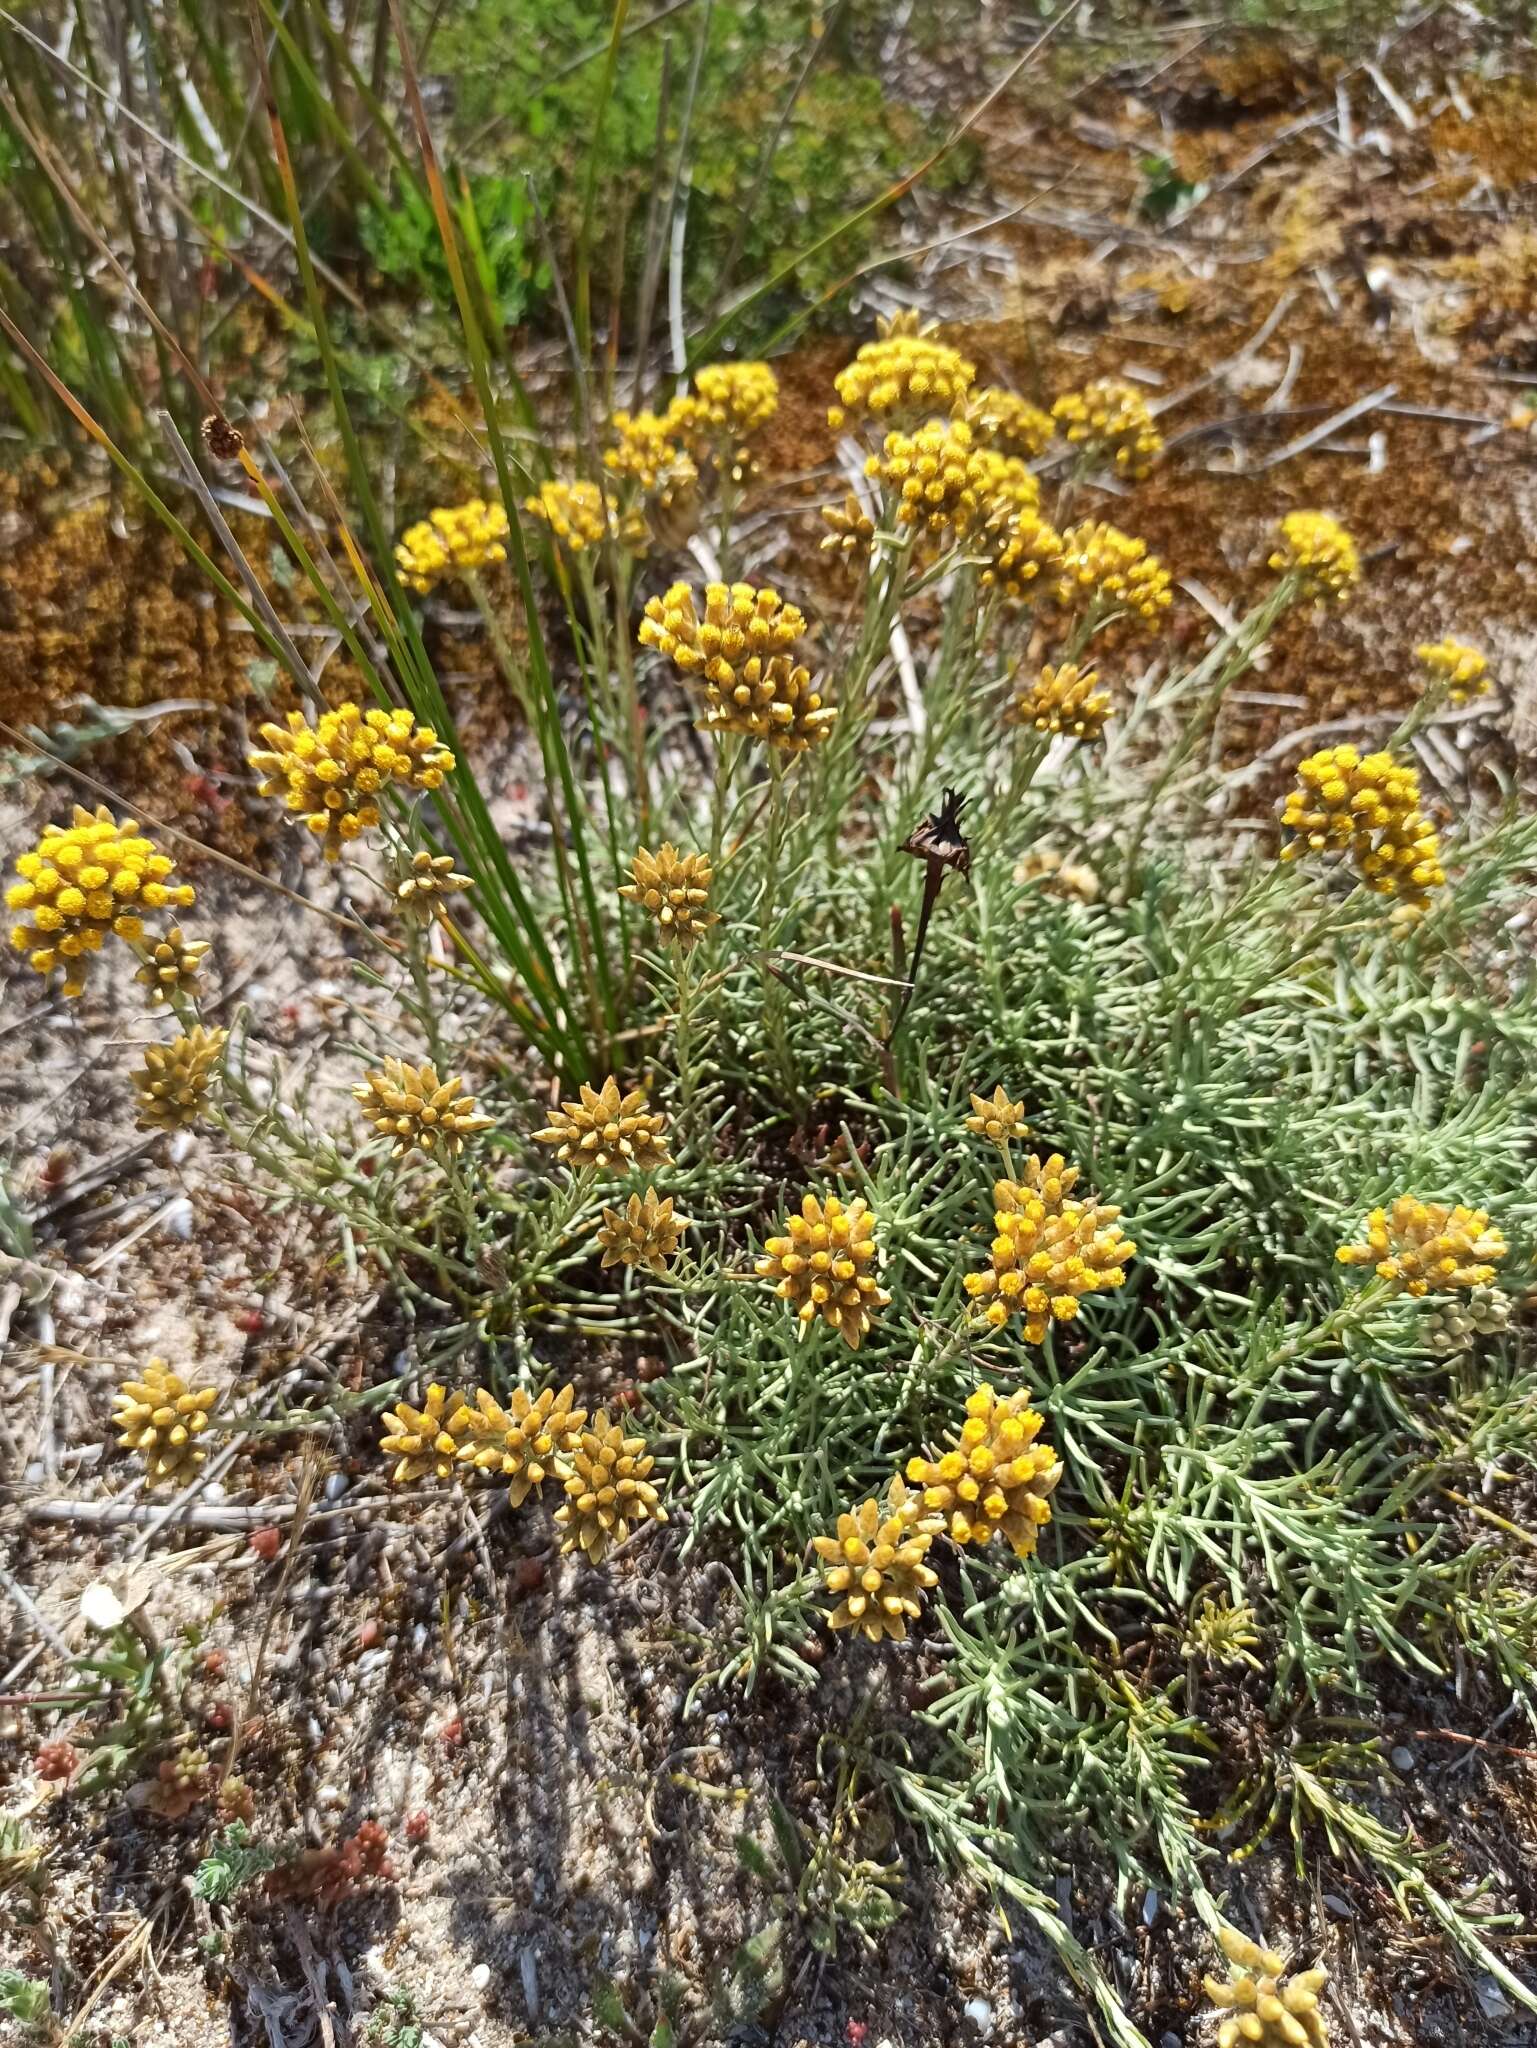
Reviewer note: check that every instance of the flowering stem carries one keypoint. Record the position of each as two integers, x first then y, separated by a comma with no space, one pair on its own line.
682,1036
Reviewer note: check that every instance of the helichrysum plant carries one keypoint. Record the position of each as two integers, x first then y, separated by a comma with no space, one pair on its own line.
162,1419
1262,2006
452,541
84,882
729,404
995,1480
740,651
605,1132
581,518
647,453
825,1266
608,1488
171,965
940,481
876,1567
1109,421
1320,554
1111,574
1045,1257
332,773
427,879
851,529
516,1442
673,889
418,1111
1452,670
645,1232
419,1439
1366,806
1023,556
997,1119
901,374
1066,699
173,1086
1428,1247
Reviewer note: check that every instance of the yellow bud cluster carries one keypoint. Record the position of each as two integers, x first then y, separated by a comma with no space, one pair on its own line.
1320,553
452,541
1462,672
995,1480
607,1479
646,453
1427,1247
944,483
333,772
161,1418
1113,571
1366,805
580,518
1262,2011
421,1113
645,1232
674,890
729,403
172,1087
997,1119
1046,1256
852,528
518,1442
875,1565
901,374
752,685
83,881
607,1132
1063,700
1007,422
824,1266
1110,422
171,965
1024,551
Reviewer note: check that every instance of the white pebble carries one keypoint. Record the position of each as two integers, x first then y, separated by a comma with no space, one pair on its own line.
980,2012
480,1977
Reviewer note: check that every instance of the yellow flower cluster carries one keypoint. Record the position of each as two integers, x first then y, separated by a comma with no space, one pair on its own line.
642,1233
943,481
604,1474
452,541
1047,1254
995,1480
1110,422
607,1132
1007,422
729,403
1320,554
674,890
83,881
607,1478
426,878
824,1266
333,772
580,518
875,1565
1366,806
901,373
1427,1247
1023,550
1114,571
1462,672
416,1109
752,685
173,1084
171,965
161,1418
852,528
1063,700
647,454
997,1119
1261,2010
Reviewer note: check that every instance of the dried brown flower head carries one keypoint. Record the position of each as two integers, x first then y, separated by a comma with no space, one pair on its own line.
940,838
517,1442
174,1083
608,1132
825,1266
162,1418
674,889
421,1113
221,438
607,1477
171,965
995,1480
876,1565
643,1233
